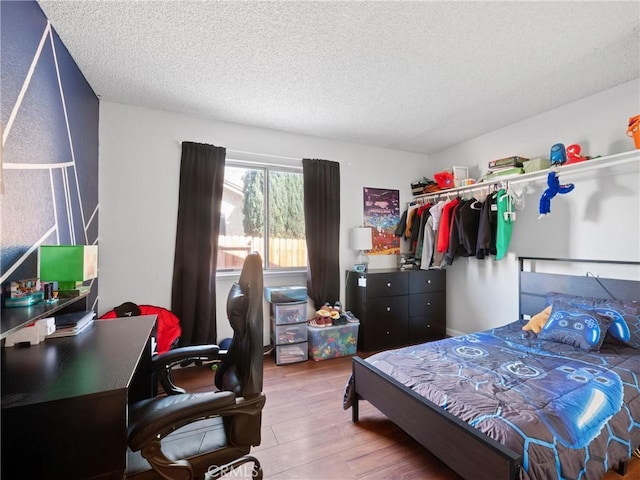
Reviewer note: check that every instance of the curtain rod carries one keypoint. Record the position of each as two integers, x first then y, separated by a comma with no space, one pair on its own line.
297,159
241,152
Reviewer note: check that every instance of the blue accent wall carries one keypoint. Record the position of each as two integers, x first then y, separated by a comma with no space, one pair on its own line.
49,115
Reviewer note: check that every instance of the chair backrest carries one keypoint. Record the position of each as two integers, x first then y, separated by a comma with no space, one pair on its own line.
241,370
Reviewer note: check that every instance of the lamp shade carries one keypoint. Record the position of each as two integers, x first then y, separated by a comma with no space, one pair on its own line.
361,238
67,264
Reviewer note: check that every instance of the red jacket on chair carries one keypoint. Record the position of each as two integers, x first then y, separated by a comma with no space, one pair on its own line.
168,324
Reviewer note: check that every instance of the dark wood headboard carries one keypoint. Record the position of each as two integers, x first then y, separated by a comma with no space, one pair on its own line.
534,285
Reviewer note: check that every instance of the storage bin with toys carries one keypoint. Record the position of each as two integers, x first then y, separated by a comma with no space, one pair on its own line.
332,333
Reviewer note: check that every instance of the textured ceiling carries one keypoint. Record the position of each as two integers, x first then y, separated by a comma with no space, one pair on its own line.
415,76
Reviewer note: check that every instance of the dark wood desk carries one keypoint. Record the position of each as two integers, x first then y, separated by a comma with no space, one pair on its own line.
64,401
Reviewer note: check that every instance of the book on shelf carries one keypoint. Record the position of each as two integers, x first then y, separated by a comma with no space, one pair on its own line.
70,324
74,292
507,162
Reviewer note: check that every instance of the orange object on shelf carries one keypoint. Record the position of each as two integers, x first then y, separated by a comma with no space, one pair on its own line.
634,130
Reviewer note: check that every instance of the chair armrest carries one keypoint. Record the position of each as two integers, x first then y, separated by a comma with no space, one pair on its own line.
163,363
180,354
156,418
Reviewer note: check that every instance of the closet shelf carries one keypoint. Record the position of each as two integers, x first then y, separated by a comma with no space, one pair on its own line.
588,165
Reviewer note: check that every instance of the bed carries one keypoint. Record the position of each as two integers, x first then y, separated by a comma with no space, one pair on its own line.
510,404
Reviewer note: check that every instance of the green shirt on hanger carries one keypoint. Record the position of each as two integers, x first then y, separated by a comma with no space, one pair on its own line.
504,223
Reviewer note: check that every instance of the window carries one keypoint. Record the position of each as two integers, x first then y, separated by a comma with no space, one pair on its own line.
252,206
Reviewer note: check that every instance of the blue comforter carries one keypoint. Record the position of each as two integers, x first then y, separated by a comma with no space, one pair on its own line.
570,412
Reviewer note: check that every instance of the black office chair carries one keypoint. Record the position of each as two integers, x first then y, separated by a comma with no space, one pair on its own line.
205,435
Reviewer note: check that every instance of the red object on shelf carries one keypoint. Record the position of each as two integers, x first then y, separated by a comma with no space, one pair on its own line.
573,154
444,179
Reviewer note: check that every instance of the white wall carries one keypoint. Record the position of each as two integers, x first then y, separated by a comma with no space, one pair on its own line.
139,173
600,219
139,169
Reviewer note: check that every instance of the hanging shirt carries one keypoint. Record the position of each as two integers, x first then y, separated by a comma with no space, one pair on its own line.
453,249
487,226
468,223
424,215
410,212
436,213
504,224
427,245
442,244
402,225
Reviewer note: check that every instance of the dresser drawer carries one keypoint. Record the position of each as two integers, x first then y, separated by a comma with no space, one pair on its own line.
387,308
387,284
388,333
421,281
427,304
423,329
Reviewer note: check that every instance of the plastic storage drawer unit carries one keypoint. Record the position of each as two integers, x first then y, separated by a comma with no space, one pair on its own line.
293,353
288,323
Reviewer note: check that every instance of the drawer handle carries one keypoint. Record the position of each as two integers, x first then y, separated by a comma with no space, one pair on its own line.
389,284
428,281
428,325
428,304
388,309
388,333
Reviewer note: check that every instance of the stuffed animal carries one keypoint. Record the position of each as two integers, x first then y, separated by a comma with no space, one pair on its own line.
553,189
538,321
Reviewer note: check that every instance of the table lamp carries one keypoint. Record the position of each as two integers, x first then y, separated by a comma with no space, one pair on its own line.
69,265
361,241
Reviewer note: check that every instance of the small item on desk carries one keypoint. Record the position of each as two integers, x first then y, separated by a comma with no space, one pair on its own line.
48,288
71,324
32,334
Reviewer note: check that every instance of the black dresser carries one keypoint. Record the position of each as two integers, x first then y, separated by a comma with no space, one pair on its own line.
397,307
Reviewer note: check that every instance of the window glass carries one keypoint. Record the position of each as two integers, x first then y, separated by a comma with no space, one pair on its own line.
252,206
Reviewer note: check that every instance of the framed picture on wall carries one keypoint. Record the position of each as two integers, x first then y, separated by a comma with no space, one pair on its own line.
382,214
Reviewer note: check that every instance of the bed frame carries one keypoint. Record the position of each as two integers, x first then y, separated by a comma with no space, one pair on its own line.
466,450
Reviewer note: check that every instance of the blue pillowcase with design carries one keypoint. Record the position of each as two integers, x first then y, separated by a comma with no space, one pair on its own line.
625,326
575,326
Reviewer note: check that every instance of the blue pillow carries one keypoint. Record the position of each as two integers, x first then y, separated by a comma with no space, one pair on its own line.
575,326
625,316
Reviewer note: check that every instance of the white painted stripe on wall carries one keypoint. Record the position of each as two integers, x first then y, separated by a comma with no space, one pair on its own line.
27,81
53,205
73,156
93,215
21,260
36,166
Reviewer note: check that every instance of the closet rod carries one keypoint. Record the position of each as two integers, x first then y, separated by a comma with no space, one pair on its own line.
582,167
467,188
593,164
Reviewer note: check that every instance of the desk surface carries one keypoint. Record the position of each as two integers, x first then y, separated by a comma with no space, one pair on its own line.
100,360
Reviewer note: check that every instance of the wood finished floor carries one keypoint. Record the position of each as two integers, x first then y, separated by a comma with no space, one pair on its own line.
307,435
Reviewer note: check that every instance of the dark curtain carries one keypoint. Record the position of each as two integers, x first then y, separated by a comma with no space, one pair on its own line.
193,293
321,180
